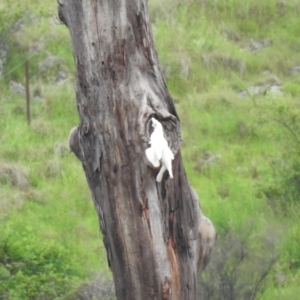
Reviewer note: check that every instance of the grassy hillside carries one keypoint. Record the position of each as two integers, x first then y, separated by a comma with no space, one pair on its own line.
233,68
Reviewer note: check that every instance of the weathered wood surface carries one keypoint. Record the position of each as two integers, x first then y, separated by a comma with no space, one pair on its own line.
157,239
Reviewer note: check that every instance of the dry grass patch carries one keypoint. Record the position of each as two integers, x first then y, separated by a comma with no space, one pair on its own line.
14,175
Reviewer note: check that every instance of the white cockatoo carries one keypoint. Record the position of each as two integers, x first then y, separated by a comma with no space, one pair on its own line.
159,152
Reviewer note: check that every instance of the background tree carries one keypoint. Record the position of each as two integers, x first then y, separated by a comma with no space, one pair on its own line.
157,239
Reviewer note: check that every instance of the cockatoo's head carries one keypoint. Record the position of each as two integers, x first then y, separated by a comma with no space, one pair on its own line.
156,124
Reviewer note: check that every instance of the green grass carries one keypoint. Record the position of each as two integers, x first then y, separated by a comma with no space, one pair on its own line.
205,50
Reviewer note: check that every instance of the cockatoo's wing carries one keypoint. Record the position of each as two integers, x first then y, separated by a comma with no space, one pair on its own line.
167,152
150,153
158,149
157,143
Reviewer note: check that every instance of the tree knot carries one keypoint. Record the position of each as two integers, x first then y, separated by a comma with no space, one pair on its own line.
166,289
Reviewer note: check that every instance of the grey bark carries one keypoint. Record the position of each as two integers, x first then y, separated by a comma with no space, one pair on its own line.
157,239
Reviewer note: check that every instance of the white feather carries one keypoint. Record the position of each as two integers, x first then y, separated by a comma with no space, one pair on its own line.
159,151
161,173
152,157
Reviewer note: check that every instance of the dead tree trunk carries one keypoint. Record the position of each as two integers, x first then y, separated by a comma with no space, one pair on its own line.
156,238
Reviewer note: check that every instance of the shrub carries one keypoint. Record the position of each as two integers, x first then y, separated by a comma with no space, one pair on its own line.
284,189
239,266
33,270
98,287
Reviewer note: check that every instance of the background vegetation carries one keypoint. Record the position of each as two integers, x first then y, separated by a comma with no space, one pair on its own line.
233,68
